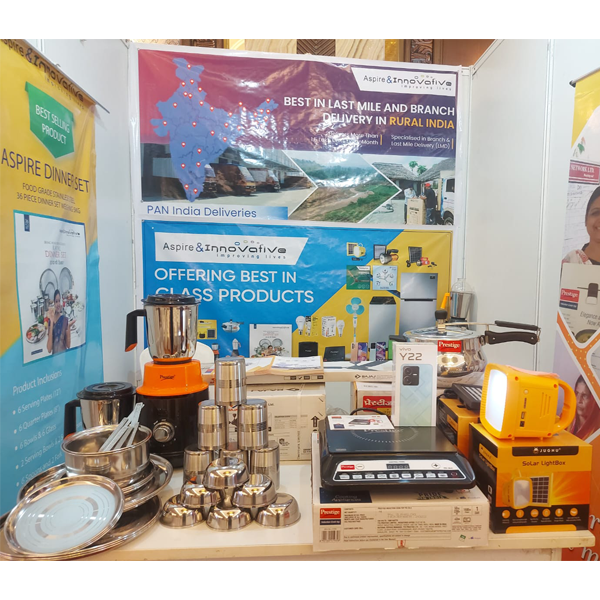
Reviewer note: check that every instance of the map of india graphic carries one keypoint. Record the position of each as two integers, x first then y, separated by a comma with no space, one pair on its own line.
199,132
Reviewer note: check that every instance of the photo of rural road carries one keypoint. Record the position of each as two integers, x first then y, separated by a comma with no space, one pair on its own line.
348,188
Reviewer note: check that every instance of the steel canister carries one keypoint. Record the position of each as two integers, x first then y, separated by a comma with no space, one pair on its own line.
252,425
266,462
212,426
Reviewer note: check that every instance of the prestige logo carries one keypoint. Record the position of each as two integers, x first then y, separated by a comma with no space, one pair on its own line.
569,295
233,249
375,402
330,513
444,346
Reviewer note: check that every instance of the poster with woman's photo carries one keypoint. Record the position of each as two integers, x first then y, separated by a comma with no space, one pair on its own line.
51,284
577,350
586,424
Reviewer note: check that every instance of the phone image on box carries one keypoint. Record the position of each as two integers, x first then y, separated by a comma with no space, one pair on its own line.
416,395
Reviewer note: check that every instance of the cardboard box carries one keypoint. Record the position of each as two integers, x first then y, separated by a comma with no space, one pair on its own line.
373,395
293,411
415,385
416,213
579,299
454,418
533,484
392,519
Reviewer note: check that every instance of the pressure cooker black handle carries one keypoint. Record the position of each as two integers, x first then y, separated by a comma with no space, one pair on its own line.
70,425
131,328
495,337
516,325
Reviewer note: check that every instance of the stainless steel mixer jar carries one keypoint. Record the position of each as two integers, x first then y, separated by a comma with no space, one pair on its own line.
171,326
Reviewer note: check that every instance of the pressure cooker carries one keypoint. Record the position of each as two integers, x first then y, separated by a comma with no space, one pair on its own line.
460,350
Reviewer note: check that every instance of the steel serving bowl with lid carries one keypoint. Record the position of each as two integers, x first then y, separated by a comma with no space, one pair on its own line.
460,350
82,455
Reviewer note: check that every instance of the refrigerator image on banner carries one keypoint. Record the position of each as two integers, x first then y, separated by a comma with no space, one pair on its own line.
382,319
418,301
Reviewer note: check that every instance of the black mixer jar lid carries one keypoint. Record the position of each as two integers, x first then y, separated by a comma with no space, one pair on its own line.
166,299
111,390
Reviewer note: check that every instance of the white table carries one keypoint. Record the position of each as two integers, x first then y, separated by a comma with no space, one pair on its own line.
256,542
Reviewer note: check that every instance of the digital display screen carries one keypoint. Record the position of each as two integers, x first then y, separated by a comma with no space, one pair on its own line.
398,466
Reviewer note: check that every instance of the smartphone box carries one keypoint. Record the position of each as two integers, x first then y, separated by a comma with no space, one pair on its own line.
415,385
293,413
391,519
533,484
373,395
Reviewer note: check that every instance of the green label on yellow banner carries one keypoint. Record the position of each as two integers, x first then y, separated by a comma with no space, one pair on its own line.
50,122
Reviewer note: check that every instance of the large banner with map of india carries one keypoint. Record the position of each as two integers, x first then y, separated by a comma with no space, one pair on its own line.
228,136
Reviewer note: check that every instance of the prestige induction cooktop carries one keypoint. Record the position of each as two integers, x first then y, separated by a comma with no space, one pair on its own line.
413,458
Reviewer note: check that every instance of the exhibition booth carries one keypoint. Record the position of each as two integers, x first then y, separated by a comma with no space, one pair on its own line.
266,305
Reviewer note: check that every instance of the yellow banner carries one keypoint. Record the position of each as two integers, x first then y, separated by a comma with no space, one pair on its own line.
50,339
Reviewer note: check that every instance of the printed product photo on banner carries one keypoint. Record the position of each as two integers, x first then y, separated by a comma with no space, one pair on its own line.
229,137
290,291
51,284
50,339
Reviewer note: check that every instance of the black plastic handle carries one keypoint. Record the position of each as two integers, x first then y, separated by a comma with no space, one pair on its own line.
398,338
516,325
357,410
441,314
131,328
70,425
494,337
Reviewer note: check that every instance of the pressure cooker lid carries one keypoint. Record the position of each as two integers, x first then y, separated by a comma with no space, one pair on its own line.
450,333
170,299
106,391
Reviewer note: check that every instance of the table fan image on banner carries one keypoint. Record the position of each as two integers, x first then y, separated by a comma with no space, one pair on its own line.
355,308
521,492
520,404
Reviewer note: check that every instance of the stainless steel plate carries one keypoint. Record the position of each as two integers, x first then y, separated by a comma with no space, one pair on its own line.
131,525
60,472
64,516
163,471
51,474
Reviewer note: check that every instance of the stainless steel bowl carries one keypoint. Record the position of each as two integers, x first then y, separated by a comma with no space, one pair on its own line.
228,519
195,495
257,492
82,456
225,473
175,514
284,511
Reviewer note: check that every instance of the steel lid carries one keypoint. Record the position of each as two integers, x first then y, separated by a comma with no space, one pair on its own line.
64,516
168,299
106,391
433,333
